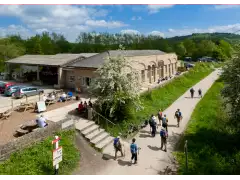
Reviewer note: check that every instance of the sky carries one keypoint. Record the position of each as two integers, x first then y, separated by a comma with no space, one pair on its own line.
161,20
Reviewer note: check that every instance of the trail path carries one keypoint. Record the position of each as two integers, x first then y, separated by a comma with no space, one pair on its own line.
152,160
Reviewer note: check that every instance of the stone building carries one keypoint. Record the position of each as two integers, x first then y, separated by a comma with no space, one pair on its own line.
150,64
76,70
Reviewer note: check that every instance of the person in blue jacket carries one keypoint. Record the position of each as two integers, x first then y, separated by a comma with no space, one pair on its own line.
134,150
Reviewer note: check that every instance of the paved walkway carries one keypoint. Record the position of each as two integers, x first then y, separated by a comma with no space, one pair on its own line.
152,160
61,113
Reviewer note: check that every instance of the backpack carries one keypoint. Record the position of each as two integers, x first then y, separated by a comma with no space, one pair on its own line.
164,120
162,133
116,142
133,148
177,114
150,121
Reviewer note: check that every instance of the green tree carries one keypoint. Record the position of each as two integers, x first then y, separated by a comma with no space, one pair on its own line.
226,48
46,43
231,91
180,49
205,48
9,50
116,88
190,47
37,49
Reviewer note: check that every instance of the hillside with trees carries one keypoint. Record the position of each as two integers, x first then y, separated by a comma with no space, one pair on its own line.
216,45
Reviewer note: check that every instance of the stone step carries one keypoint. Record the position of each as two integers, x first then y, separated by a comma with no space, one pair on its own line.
104,143
81,125
100,138
95,133
89,130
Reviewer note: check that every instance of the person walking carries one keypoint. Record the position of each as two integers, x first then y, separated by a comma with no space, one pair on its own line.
117,146
151,121
160,116
178,115
134,150
154,128
200,92
165,122
192,92
163,135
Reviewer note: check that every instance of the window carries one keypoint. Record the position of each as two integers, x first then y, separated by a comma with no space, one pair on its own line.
72,78
88,81
26,89
33,89
81,80
143,75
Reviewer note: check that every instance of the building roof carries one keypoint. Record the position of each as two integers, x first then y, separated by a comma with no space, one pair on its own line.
97,60
50,60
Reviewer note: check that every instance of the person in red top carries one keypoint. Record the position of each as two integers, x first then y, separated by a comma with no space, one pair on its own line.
80,107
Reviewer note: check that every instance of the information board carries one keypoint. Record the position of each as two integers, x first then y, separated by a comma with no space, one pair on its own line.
41,106
57,156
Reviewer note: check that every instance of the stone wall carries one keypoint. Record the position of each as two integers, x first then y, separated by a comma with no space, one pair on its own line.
36,136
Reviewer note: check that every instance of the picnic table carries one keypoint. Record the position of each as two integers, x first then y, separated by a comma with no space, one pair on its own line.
6,114
26,106
50,101
26,128
29,125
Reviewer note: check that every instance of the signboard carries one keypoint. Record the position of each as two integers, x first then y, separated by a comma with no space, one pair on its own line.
41,106
57,156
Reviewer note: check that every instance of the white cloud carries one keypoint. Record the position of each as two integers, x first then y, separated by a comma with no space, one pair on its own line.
15,30
155,8
103,23
65,19
156,33
171,30
232,28
135,18
219,7
130,31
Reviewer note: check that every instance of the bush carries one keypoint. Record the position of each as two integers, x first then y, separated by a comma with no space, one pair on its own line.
37,159
181,69
213,145
164,96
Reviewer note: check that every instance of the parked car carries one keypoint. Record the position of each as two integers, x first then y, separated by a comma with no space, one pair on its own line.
188,65
4,85
9,91
27,91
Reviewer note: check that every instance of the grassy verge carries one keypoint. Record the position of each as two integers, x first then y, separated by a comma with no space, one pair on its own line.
213,146
163,97
37,160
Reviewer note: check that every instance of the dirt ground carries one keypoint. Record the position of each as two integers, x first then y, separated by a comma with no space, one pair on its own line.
9,126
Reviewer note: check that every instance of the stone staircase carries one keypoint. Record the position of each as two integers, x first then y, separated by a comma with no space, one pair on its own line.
97,136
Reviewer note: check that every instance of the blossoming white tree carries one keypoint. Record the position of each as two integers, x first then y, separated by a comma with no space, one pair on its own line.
116,88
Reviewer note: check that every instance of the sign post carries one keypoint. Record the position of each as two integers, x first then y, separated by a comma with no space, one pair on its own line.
57,154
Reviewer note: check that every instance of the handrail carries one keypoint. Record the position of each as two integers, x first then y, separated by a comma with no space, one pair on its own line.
103,117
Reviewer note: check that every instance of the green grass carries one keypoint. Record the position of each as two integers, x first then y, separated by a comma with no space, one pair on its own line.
37,159
213,145
163,97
